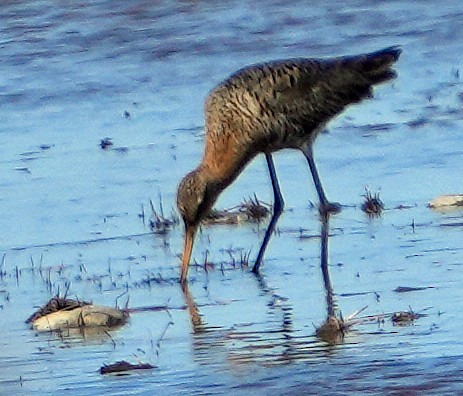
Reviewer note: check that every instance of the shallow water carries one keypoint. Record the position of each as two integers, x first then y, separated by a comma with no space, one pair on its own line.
73,74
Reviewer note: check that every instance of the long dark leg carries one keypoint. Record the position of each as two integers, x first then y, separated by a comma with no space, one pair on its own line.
278,206
325,205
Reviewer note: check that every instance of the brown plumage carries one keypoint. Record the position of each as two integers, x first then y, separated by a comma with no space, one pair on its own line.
268,107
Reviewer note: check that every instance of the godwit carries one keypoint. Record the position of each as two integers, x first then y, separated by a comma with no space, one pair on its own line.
268,107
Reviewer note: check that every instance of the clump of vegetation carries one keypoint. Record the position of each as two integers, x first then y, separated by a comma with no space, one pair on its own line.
242,261
334,328
158,222
255,209
373,206
250,210
239,259
405,318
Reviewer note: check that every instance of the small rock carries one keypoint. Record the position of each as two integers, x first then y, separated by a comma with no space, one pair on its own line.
447,201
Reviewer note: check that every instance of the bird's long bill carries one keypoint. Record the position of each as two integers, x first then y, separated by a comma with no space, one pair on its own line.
190,232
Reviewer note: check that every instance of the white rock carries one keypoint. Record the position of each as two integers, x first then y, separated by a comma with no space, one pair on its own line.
445,201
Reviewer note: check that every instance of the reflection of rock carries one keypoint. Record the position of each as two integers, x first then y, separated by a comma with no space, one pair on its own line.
447,201
59,314
332,330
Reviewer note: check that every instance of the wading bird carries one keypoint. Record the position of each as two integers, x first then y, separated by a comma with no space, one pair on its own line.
269,107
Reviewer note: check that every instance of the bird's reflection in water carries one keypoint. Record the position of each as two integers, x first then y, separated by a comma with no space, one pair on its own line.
281,344
332,330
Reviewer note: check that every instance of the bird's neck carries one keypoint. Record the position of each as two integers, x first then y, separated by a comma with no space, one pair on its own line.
218,179
221,167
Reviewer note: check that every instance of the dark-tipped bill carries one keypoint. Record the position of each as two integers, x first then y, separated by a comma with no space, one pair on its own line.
190,232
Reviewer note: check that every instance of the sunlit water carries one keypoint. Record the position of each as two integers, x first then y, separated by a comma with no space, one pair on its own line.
73,73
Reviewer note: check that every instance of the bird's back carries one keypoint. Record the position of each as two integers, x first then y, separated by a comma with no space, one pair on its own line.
282,104
300,93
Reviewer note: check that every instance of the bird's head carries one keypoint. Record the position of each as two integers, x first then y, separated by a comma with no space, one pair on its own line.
194,200
191,196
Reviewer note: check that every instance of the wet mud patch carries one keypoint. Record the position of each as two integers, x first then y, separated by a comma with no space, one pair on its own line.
124,368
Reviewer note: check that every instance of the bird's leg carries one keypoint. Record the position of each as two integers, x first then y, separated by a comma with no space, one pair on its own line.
325,205
278,206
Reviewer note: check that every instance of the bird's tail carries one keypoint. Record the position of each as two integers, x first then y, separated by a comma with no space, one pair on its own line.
375,67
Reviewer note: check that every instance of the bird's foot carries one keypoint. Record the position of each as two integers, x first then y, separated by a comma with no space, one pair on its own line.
256,269
329,208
